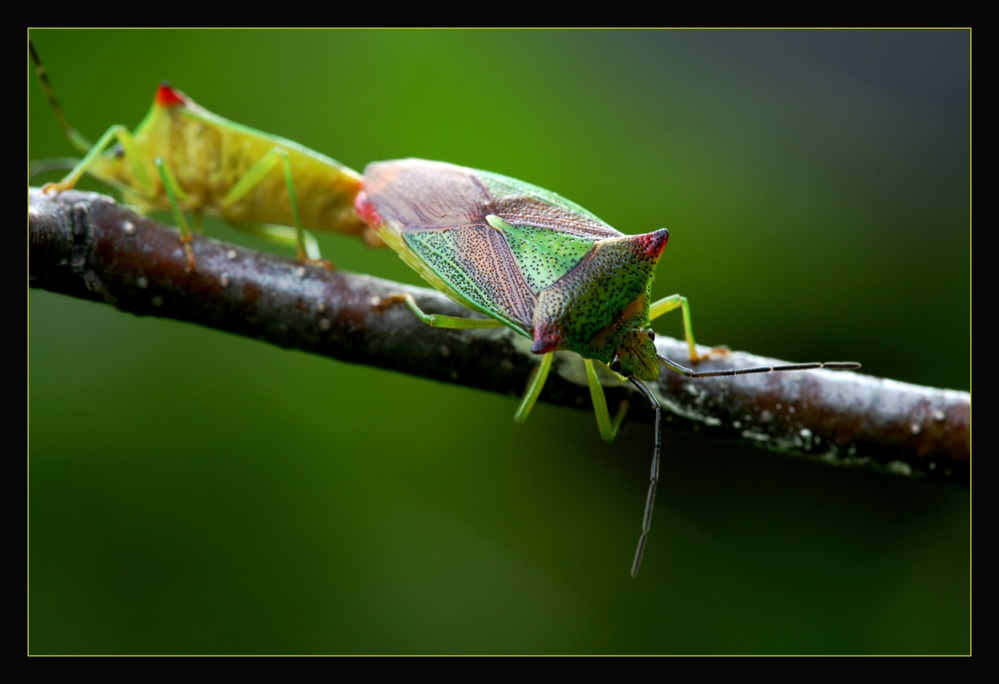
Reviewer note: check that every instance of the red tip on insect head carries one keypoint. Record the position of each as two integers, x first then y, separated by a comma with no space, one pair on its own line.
367,211
651,245
168,96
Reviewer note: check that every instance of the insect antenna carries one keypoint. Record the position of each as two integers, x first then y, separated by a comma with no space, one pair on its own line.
41,166
650,498
78,141
690,373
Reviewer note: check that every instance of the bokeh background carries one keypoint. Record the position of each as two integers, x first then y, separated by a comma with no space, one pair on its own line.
195,492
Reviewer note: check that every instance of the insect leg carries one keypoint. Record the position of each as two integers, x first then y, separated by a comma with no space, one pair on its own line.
308,249
538,377
173,191
667,304
124,137
438,320
288,236
608,428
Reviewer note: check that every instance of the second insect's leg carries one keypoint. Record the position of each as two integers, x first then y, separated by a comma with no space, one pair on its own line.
175,193
306,245
124,138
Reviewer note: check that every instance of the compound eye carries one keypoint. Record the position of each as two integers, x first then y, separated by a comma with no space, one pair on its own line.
615,365
652,335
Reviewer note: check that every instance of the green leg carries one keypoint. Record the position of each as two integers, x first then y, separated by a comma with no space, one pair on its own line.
115,133
608,428
287,235
172,189
667,304
538,377
308,249
437,320
173,192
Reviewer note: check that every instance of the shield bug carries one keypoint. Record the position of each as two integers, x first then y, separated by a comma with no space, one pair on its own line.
546,267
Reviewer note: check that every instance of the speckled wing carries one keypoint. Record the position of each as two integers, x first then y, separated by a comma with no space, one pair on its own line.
442,219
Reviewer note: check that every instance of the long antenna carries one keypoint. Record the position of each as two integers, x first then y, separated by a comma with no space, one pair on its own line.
650,498
78,141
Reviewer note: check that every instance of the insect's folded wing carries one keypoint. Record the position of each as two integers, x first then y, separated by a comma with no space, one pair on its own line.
437,212
416,194
476,263
523,204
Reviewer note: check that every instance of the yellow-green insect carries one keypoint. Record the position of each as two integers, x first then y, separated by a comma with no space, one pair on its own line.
544,266
183,158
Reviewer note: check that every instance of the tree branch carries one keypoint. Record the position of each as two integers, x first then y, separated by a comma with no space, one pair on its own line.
85,245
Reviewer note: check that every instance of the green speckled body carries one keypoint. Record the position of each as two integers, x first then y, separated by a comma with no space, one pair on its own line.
540,264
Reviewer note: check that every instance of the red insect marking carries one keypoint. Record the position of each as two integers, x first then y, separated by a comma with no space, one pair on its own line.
547,338
367,211
168,96
651,245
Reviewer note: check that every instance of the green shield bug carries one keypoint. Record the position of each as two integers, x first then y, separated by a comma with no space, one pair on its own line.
546,267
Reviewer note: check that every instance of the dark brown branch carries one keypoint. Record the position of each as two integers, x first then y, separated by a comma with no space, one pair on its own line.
85,245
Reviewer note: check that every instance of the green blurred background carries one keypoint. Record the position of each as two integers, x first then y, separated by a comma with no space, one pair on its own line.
195,492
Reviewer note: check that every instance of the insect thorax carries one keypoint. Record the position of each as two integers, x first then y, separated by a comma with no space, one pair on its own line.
600,309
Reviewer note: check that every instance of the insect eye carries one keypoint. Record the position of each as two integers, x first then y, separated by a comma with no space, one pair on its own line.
652,335
615,365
